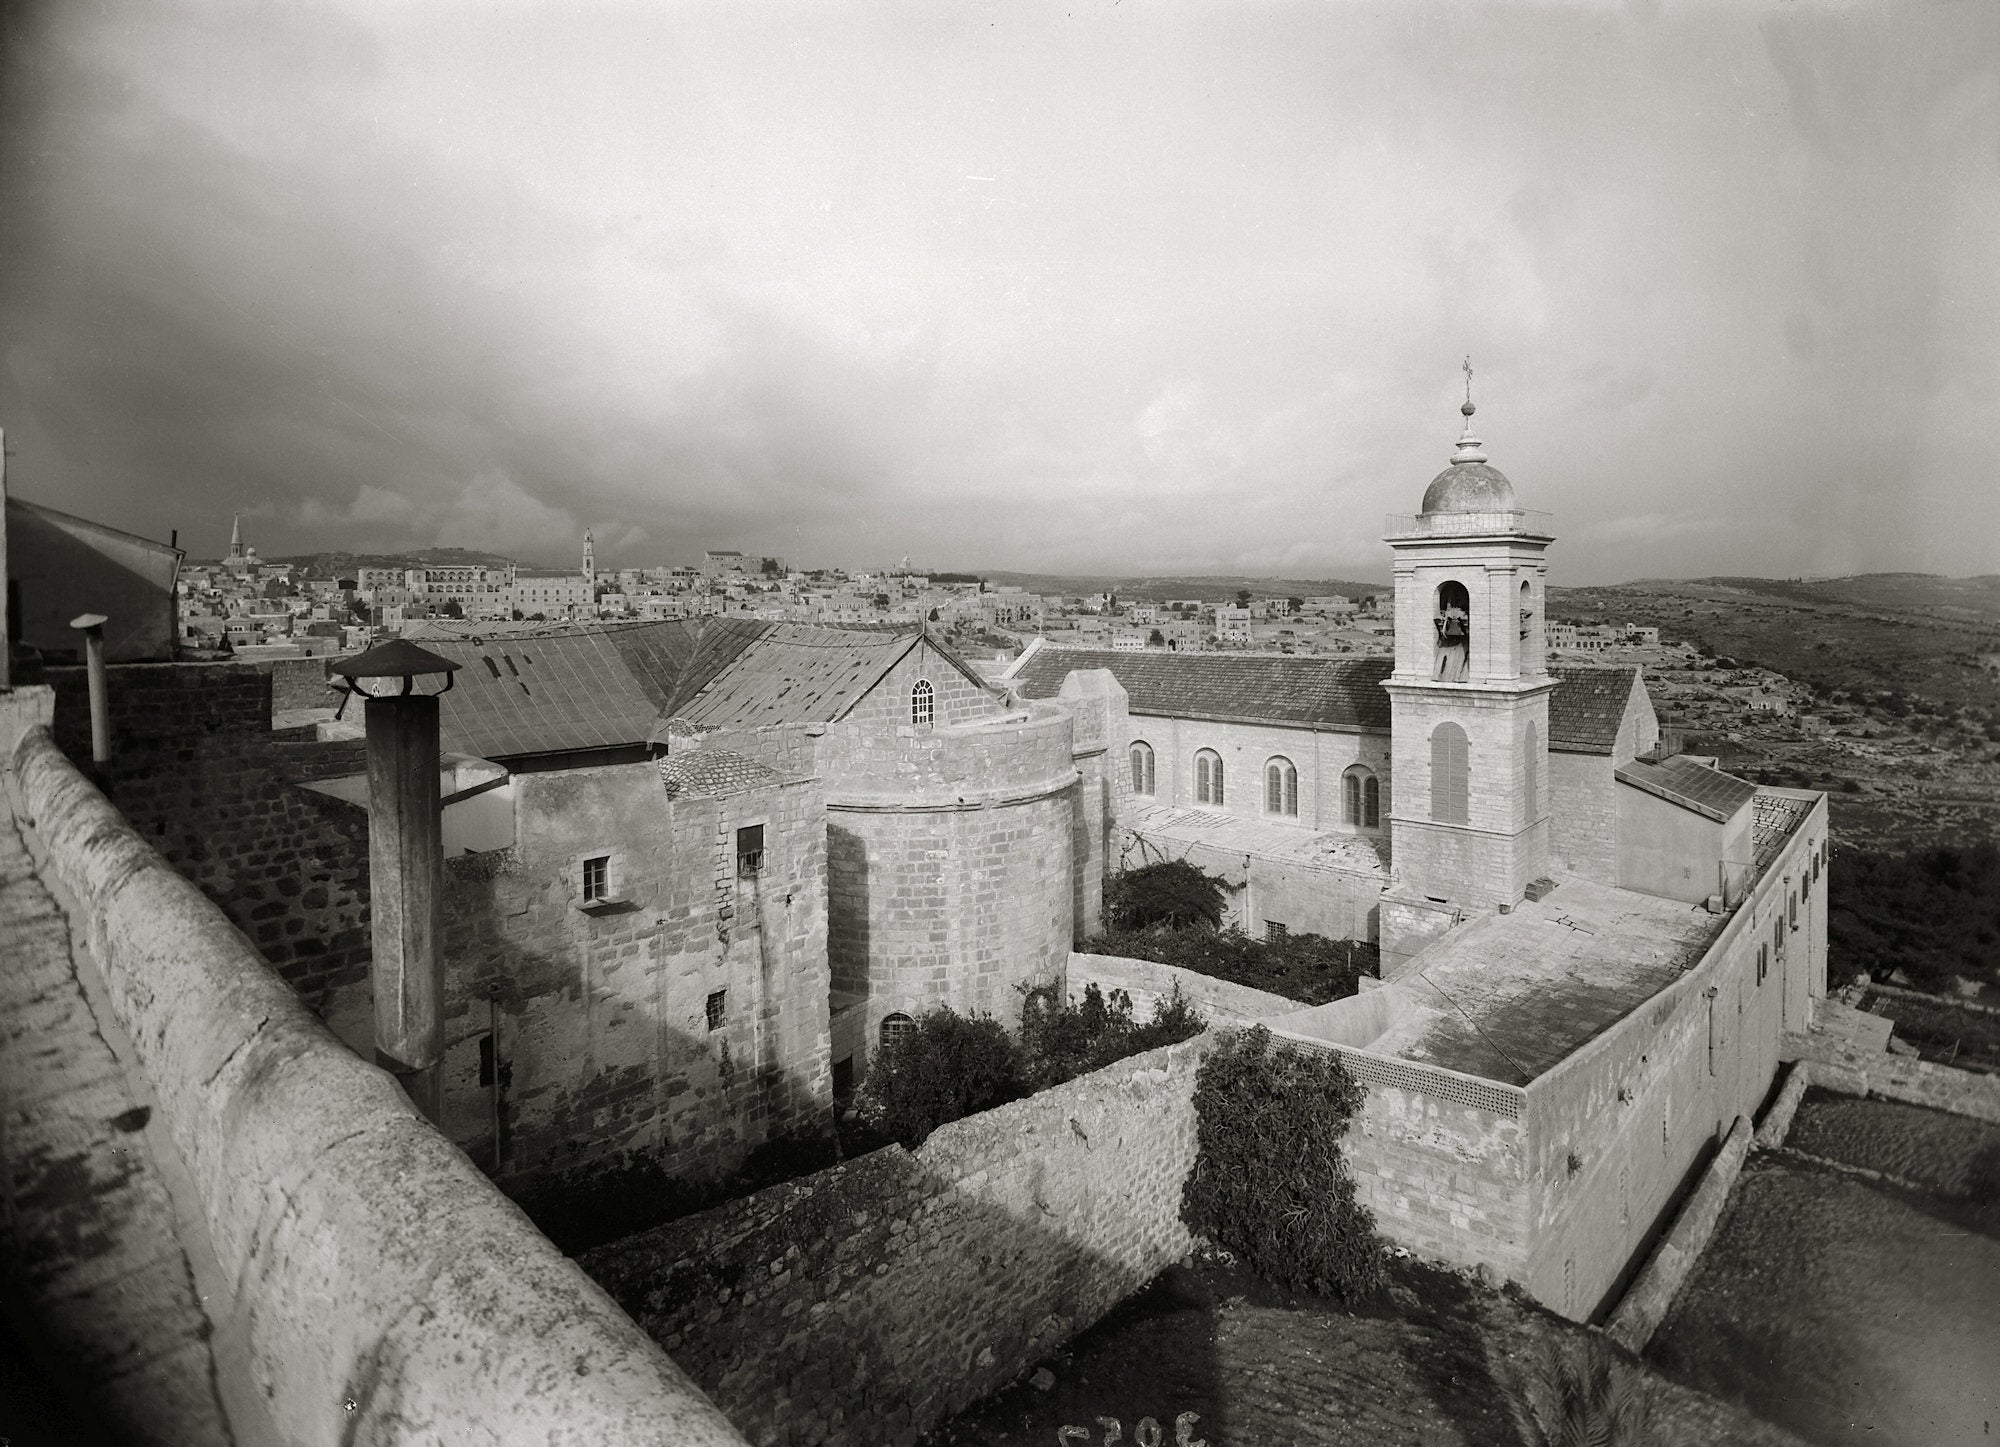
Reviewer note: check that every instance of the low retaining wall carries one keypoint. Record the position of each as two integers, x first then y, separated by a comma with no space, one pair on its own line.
1221,1002
1652,1292
1777,1121
386,1290
868,1302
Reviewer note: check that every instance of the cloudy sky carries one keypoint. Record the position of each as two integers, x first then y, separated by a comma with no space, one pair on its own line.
1107,284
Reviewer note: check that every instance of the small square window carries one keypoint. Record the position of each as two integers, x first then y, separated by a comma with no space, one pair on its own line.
749,850
1274,931
717,1008
597,878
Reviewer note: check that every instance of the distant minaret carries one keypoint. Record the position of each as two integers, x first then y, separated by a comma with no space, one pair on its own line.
589,558
235,535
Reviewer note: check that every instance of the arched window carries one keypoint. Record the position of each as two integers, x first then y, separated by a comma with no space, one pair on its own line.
1451,619
1450,767
921,699
1361,798
1208,777
1527,609
1142,768
1281,788
895,1027
1531,774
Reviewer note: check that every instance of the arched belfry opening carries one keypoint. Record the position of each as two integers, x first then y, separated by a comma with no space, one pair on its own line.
1451,616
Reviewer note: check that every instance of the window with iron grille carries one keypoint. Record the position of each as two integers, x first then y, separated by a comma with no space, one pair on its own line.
718,1004
895,1027
596,878
1274,931
749,850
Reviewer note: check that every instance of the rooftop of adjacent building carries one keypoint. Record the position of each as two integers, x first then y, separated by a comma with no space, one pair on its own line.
1507,997
1178,829
1585,712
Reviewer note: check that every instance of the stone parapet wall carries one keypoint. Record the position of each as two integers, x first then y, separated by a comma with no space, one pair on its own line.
1221,1002
198,771
386,1291
866,1303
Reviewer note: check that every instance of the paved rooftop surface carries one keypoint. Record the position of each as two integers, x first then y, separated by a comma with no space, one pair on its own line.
95,1270
1509,996
1283,843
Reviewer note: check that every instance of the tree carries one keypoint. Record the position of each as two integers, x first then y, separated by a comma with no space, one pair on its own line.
1156,639
1243,597
1296,605
451,609
934,615
771,567
1173,893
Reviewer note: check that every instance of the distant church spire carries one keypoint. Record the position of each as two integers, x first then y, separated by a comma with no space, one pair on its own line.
235,535
589,558
1468,445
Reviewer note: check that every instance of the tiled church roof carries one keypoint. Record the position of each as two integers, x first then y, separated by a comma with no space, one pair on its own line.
1585,712
1588,707
1336,693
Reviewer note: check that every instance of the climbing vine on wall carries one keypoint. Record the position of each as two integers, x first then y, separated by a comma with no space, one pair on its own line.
1270,1182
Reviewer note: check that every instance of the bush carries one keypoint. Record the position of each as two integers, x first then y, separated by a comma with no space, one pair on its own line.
1172,893
1931,913
944,1067
1063,1041
1269,1181
1311,969
1577,1392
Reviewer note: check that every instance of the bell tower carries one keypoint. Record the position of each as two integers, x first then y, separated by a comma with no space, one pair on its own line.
589,558
1469,702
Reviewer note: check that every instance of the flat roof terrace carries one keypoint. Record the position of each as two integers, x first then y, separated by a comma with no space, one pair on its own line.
1508,997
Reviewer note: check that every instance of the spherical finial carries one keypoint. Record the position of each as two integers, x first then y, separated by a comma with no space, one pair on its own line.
1468,409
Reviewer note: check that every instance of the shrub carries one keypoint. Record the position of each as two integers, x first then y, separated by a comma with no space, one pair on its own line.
1064,1041
1305,967
944,1067
1269,1181
1173,893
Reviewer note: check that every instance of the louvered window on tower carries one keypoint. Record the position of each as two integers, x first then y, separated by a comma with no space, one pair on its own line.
1450,770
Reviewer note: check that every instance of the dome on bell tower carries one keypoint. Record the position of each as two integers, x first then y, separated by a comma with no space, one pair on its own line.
1469,485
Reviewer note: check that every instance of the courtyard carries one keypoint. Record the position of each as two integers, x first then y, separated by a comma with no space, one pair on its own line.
1840,1304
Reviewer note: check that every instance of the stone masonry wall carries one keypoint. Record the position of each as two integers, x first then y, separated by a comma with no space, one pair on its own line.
866,1303
198,770
949,858
604,1042
1583,815
378,1280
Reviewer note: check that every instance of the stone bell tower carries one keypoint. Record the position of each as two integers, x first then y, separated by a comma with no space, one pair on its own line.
1469,703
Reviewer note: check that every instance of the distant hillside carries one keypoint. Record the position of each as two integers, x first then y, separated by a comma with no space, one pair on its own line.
1210,588
1913,632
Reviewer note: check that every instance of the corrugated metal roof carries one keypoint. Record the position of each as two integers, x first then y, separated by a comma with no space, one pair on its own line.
1338,693
1682,781
1588,707
794,674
